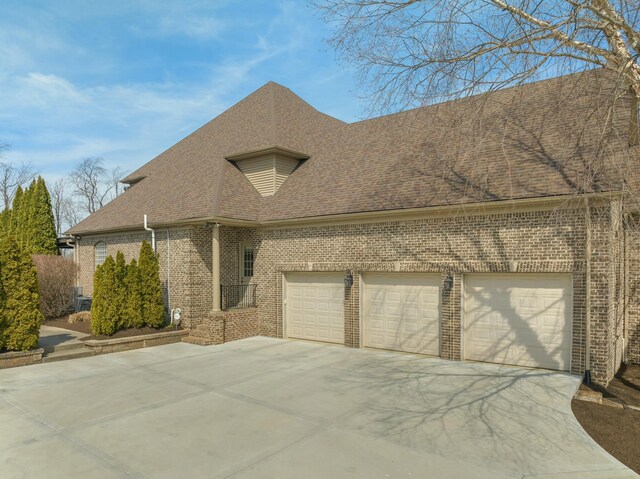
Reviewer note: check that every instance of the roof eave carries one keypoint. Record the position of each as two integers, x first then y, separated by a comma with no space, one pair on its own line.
278,150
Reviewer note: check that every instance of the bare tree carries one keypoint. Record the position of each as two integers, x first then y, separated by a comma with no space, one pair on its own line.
411,52
94,185
66,212
12,176
57,201
115,175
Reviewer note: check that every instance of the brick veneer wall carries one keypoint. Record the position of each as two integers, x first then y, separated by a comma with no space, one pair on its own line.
534,241
185,265
633,290
527,242
181,265
223,326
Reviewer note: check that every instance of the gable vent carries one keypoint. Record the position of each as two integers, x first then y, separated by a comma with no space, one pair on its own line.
267,169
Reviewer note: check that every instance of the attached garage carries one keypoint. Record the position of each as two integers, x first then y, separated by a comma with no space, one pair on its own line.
402,312
314,306
519,319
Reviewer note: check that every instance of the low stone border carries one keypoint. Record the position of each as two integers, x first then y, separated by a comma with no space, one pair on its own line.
104,346
20,358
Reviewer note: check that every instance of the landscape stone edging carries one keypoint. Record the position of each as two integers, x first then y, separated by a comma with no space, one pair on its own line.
14,359
104,346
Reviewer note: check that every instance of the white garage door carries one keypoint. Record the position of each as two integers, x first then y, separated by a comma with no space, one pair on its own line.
519,319
315,306
402,312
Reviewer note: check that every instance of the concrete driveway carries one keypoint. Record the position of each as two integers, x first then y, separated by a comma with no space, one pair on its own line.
270,408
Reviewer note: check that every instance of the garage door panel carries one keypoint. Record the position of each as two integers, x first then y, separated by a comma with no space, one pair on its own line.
315,307
519,319
402,312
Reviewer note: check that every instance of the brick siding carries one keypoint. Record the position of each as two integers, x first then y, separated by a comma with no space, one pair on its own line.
524,242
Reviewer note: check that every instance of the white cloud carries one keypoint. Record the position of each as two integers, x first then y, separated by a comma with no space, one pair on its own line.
42,86
53,116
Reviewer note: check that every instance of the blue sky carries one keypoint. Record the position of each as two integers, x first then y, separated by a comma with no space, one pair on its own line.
125,80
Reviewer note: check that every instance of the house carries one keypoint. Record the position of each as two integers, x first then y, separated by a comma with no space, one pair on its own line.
496,228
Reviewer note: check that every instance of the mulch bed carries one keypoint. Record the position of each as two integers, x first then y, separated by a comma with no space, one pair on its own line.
85,327
616,430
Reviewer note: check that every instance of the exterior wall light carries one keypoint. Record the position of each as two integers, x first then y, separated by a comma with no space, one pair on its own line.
348,279
448,282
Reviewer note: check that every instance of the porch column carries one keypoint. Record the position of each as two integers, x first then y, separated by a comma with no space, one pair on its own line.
215,265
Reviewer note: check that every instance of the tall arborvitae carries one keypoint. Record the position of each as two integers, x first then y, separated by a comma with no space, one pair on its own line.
152,302
15,207
41,226
5,223
20,313
3,300
102,310
22,217
119,291
133,309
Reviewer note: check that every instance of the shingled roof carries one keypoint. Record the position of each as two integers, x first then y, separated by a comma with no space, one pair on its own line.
542,139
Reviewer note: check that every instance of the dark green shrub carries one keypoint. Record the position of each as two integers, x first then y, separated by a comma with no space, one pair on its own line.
133,308
152,301
41,226
20,315
120,291
104,315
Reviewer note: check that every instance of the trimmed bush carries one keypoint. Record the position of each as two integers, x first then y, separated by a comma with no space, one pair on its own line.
127,296
104,315
56,277
133,308
120,292
20,313
151,287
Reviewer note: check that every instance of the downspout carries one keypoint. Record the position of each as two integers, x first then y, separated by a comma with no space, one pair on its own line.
587,348
168,272
153,234
76,259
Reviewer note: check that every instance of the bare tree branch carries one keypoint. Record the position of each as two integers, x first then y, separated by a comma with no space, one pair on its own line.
93,185
12,176
412,52
65,210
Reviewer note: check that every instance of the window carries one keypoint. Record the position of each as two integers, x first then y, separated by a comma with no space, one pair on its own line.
247,262
101,252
